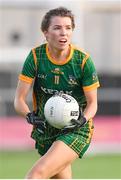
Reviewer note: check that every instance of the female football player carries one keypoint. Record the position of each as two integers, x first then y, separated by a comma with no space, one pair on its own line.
54,67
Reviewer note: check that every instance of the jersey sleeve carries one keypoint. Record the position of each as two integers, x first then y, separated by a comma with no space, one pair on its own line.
90,79
29,69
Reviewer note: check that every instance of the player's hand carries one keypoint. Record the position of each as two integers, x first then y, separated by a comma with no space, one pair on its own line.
34,119
80,122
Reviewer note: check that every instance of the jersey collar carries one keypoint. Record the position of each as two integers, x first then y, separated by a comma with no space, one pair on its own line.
64,61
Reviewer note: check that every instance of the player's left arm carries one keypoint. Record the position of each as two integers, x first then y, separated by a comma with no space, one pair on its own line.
91,108
90,84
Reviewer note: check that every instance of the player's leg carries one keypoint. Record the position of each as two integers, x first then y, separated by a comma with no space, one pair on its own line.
54,161
66,173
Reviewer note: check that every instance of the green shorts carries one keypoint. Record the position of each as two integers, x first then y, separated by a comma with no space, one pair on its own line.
79,139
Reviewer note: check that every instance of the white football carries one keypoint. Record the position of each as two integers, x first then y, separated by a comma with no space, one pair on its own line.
60,109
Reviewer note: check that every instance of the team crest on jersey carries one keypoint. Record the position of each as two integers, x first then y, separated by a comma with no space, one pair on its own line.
72,80
57,71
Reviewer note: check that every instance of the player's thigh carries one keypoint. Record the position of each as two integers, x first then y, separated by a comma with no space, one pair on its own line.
66,173
55,160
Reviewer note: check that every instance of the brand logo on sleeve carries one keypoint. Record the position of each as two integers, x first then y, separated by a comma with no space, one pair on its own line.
94,76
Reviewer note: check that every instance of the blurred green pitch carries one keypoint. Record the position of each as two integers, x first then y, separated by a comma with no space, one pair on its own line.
14,165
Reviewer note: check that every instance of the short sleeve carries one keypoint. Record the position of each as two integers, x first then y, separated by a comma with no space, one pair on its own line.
29,69
90,78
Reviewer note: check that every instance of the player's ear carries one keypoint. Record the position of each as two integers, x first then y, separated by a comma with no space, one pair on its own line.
46,34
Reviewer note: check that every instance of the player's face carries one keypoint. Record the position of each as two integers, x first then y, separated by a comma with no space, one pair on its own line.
59,32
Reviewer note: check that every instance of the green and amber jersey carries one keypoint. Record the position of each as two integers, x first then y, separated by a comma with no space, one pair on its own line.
73,76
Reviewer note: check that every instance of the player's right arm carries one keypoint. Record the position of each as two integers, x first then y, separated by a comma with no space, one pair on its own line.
20,101
24,84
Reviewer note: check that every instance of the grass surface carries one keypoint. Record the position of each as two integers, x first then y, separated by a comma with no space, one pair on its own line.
14,165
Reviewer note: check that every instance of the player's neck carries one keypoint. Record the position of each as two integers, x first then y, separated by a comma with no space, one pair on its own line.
59,55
